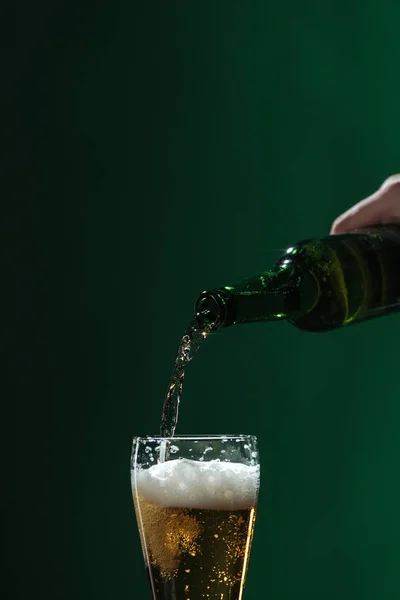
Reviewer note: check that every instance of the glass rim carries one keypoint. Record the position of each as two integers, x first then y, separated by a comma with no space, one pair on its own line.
193,437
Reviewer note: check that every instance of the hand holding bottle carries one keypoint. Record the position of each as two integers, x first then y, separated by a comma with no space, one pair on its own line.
323,283
382,208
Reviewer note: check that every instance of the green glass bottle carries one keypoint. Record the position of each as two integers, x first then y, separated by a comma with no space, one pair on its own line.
317,285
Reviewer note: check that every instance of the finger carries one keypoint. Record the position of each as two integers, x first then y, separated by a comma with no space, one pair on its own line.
366,212
392,182
380,208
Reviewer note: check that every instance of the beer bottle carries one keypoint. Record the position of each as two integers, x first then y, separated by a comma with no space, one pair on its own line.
317,285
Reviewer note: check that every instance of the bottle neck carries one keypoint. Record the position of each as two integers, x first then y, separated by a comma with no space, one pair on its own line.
271,296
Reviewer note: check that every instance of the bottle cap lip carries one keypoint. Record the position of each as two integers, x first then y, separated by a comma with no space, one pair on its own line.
211,308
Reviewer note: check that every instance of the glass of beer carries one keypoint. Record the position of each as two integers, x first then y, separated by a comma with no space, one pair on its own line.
195,499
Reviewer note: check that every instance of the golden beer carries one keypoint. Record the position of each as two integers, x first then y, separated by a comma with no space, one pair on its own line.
196,522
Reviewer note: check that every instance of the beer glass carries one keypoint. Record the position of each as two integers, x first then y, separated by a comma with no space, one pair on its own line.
195,499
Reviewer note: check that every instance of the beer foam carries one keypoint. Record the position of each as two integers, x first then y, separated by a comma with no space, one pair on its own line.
210,484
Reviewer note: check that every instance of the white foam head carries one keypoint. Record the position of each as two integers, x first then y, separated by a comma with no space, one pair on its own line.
193,484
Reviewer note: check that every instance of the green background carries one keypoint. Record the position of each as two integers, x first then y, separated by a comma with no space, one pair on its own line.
153,150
